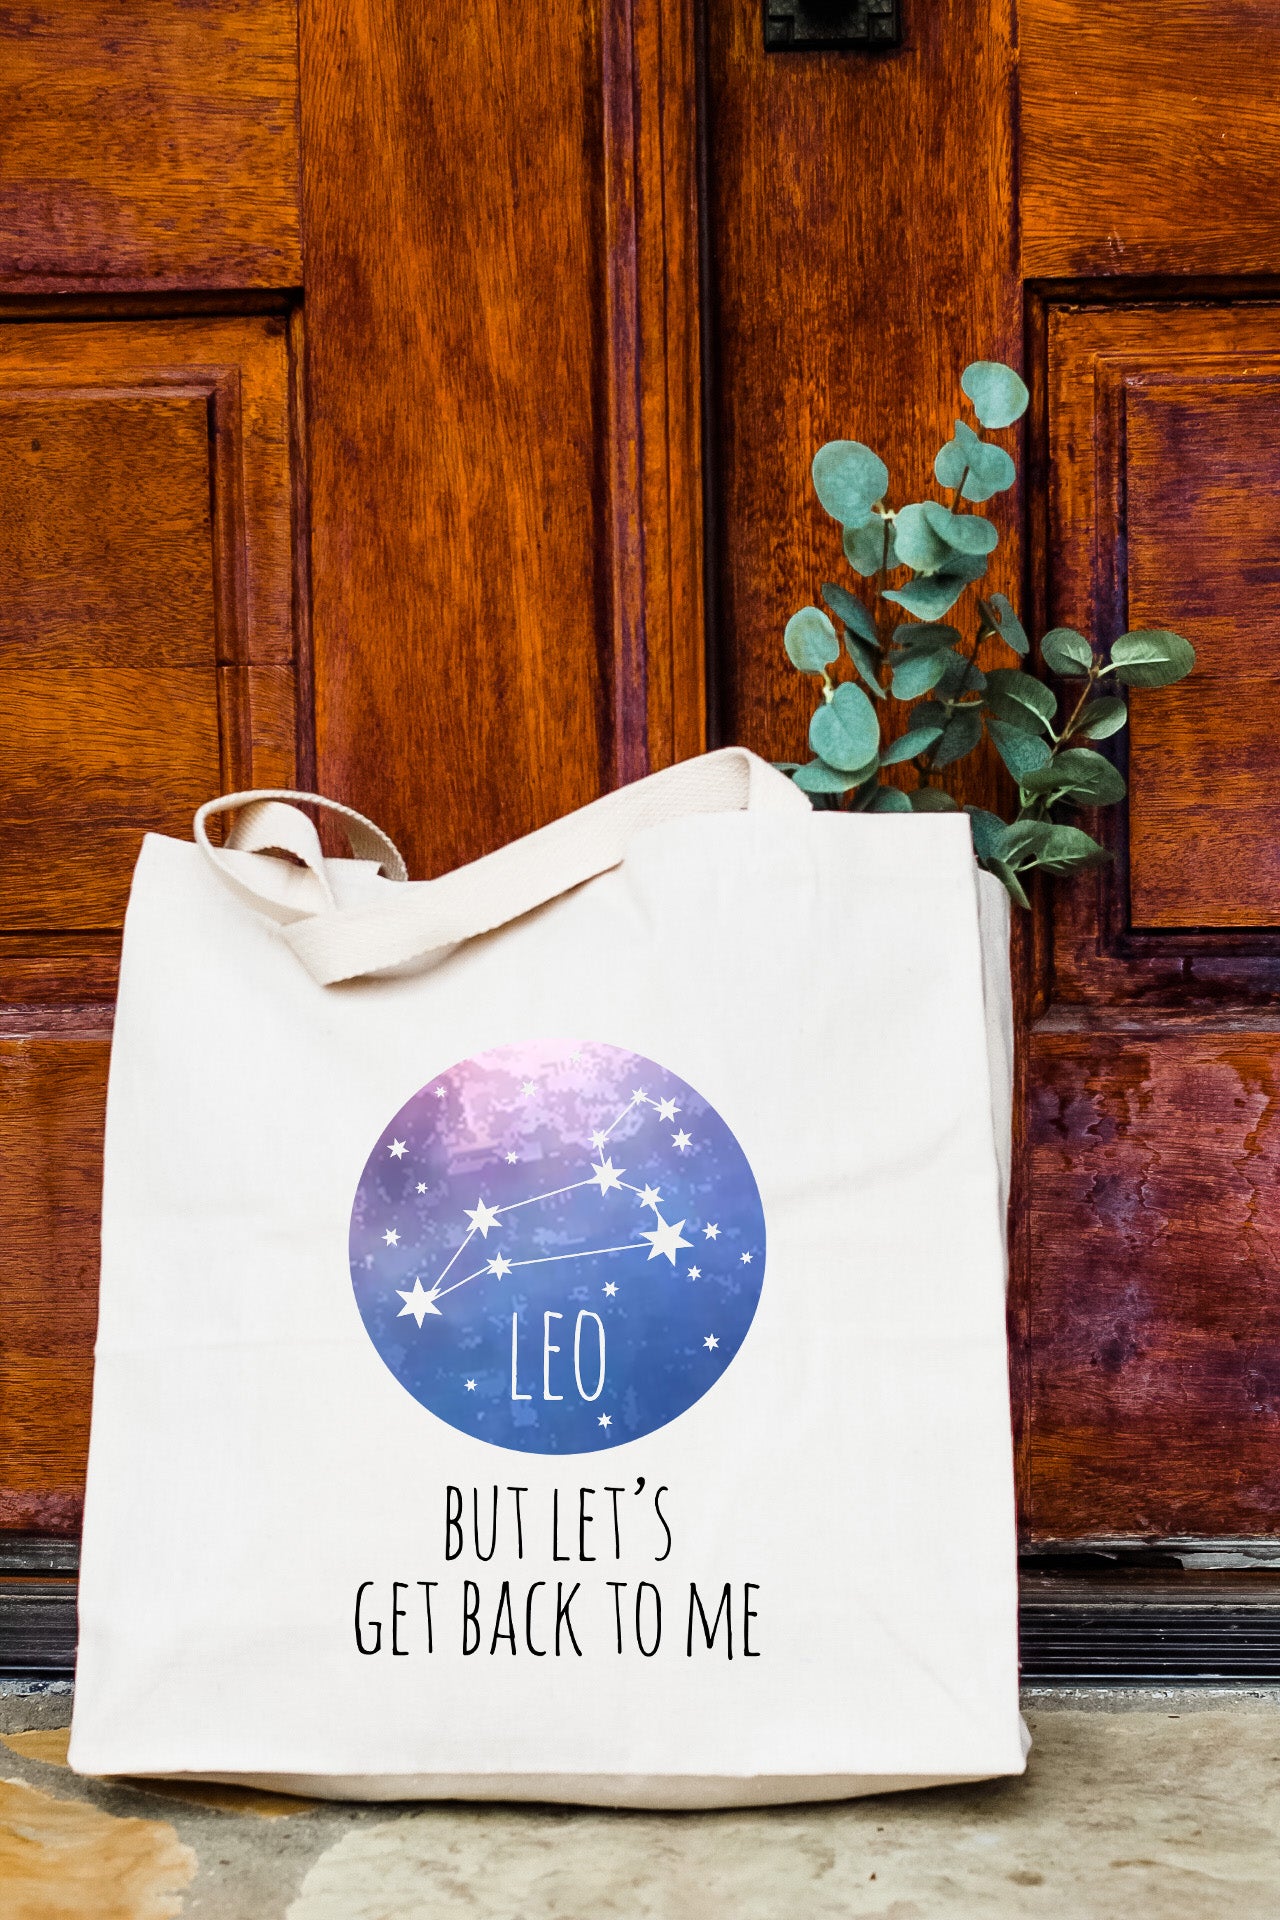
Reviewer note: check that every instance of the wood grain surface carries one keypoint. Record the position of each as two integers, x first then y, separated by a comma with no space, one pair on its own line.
861,244
1153,1314
1150,142
149,147
486,231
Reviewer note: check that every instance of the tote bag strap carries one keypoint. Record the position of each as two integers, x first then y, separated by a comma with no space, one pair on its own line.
336,944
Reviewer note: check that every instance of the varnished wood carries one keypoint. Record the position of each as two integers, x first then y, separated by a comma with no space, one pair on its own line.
149,146
52,1091
1150,141
842,308
1152,1298
479,550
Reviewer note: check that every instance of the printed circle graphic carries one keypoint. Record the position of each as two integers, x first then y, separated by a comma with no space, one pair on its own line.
557,1247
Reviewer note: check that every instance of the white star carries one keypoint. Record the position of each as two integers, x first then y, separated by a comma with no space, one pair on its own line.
682,1140
638,1093
598,1140
512,1158
527,1088
482,1217
711,1343
576,1054
746,1259
418,1302
471,1386
499,1266
422,1186
667,1109
391,1237
396,1149
695,1273
606,1420
606,1176
650,1197
610,1289
666,1239
439,1093
712,1232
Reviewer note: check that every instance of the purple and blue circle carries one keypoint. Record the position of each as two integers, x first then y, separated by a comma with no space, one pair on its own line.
557,1247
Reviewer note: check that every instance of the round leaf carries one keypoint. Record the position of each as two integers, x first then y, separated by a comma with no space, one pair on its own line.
1152,657
1067,652
989,469
935,594
845,731
849,479
915,740
889,800
1100,719
918,672
1022,752
1078,774
962,532
810,640
925,636
960,736
865,547
1023,690
931,800
998,394
817,777
918,544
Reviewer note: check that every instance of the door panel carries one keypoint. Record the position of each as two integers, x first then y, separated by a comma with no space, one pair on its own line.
149,146
147,660
1149,139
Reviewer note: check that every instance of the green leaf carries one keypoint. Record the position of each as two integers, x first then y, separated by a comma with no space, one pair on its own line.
936,594
915,740
1057,849
960,736
818,777
849,479
930,713
1100,719
810,640
867,660
931,800
1066,652
889,800
927,636
918,672
989,469
918,544
847,607
962,532
1010,685
960,676
1022,752
1008,878
1006,622
845,731
1152,657
1078,774
784,766
864,546
988,832
998,394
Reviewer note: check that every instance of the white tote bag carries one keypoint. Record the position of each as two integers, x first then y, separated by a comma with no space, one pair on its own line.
552,1330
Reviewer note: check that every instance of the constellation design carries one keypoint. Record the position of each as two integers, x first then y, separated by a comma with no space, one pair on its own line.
666,1239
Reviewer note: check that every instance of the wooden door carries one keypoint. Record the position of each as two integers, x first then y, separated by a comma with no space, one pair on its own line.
420,404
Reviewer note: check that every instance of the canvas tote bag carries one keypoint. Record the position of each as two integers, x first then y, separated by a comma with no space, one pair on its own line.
552,1324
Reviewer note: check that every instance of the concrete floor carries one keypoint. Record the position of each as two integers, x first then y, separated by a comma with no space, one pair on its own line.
1141,1806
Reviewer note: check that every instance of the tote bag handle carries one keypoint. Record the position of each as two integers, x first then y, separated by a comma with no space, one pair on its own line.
336,944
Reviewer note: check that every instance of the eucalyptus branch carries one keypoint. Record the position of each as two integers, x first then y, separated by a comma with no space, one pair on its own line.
943,545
